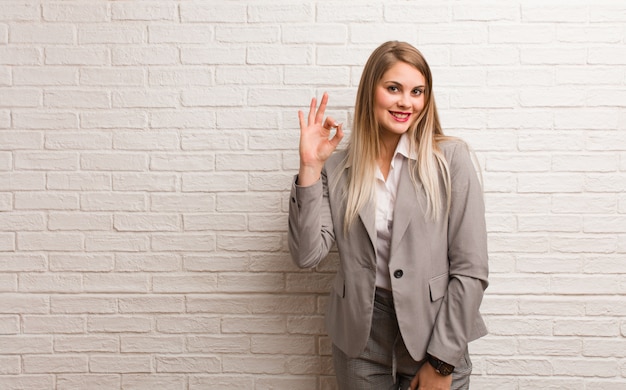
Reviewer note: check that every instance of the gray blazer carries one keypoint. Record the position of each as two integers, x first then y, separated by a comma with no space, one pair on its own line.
438,268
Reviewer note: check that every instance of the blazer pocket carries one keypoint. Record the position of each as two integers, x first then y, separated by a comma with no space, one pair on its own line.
339,286
438,287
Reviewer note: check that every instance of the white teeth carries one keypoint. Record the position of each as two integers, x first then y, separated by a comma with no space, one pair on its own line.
400,116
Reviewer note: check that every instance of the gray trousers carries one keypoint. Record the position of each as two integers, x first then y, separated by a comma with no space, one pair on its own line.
385,364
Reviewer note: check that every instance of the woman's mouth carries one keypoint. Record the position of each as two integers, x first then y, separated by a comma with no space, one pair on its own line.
400,116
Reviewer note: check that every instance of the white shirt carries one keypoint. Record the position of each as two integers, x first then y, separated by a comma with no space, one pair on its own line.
386,192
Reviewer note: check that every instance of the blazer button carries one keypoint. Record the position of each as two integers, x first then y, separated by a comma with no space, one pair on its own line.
398,274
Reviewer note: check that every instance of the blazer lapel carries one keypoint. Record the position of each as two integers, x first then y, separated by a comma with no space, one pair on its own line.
410,207
368,217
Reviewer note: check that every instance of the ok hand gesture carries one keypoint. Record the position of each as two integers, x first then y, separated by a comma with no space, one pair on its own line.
315,142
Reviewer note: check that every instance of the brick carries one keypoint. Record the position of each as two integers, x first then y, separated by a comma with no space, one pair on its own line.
46,201
45,120
112,77
152,344
205,364
163,140
73,304
41,364
250,283
153,380
160,182
254,324
249,119
189,324
246,364
164,77
114,120
152,304
181,162
55,76
214,97
318,33
53,324
81,262
22,222
183,242
247,304
119,324
484,56
71,141
21,140
120,364
534,367
280,12
114,161
215,182
143,10
128,262
110,34
75,12
553,56
213,12
26,344
116,242
551,13
451,34
248,34
342,12
16,55
284,54
486,12
215,55
156,55
79,181
143,99
115,282
182,202
76,99
10,365
22,263
184,284
57,283
42,34
219,344
91,381
49,161
373,34
180,34
326,75
213,262
77,56
182,119
19,98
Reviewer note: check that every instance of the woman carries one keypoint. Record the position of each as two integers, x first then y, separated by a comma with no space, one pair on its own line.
404,206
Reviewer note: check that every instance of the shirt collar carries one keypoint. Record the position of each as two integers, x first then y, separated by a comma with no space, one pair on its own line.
403,147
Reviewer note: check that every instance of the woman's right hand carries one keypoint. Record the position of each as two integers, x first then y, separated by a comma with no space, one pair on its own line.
315,142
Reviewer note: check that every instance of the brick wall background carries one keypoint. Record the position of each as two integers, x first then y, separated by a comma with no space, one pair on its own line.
146,152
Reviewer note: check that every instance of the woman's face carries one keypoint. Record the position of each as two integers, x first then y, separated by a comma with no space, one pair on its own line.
399,98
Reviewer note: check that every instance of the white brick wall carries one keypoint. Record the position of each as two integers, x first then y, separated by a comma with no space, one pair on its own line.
146,150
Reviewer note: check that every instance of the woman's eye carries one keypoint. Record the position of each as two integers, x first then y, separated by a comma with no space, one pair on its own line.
417,92
392,89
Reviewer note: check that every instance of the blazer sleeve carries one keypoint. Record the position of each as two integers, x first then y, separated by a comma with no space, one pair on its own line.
468,261
310,232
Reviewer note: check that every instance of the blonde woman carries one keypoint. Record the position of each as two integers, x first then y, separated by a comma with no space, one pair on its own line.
404,206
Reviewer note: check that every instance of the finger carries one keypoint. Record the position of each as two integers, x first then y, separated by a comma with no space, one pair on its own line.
301,119
312,111
337,137
320,112
329,123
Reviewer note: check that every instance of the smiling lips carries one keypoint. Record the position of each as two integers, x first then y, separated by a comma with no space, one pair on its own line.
400,116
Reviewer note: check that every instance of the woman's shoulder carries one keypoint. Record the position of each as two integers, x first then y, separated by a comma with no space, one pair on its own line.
453,146
336,159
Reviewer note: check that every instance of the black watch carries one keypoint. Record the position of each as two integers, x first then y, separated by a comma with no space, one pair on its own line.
440,366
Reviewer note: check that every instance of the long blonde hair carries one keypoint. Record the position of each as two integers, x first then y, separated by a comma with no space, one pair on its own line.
424,135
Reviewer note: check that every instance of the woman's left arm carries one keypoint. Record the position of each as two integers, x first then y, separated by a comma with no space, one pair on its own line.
467,254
